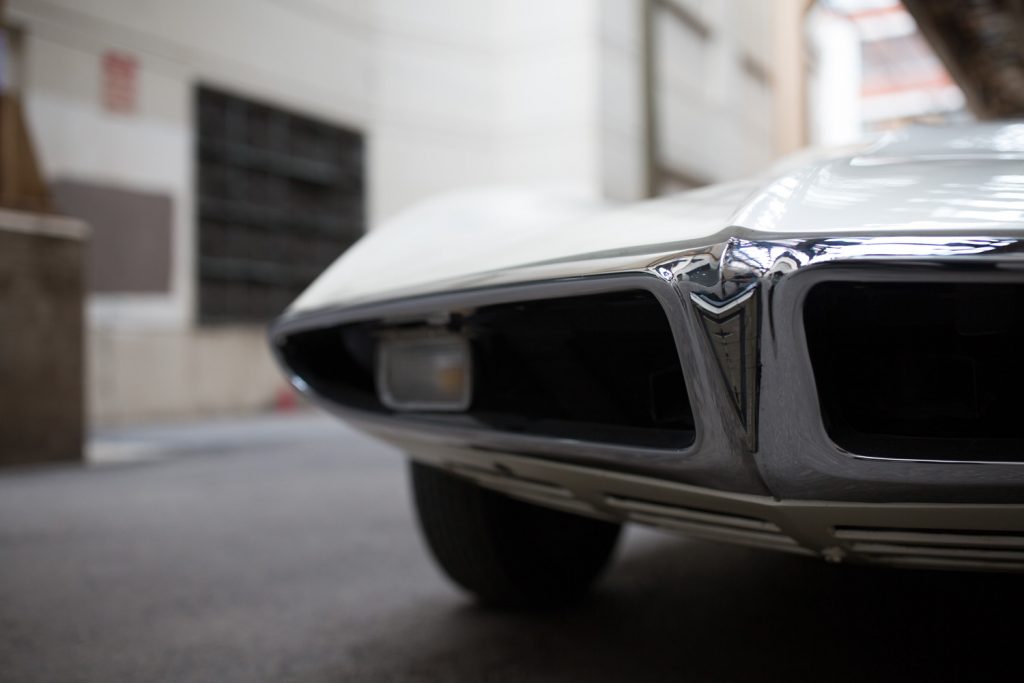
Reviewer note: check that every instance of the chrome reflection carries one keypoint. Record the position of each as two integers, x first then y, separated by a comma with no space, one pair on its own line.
731,329
727,283
721,271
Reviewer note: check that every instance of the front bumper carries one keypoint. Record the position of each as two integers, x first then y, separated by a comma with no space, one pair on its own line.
913,535
735,310
762,469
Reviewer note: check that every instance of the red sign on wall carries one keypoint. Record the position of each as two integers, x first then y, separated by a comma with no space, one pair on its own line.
120,82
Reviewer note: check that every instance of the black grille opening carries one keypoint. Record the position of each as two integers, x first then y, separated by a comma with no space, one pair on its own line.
336,362
600,368
920,370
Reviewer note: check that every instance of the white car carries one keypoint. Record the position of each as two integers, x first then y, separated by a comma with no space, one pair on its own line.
825,360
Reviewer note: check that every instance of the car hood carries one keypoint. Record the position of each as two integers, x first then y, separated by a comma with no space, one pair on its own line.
964,180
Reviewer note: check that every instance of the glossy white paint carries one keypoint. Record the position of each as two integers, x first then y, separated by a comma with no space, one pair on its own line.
490,231
940,180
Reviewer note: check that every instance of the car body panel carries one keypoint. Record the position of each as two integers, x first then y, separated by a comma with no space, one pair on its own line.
925,181
732,265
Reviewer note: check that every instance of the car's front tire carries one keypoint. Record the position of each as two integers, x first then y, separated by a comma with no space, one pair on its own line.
507,552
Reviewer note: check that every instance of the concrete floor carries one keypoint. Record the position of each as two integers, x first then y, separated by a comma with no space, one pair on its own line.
287,551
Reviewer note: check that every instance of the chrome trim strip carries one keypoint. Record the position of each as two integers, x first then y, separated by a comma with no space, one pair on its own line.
690,514
948,564
929,538
945,553
723,308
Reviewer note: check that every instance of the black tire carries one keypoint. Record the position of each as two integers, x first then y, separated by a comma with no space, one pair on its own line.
506,552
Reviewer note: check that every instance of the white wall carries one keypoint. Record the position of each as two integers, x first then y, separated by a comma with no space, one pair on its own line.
716,119
449,93
835,82
477,92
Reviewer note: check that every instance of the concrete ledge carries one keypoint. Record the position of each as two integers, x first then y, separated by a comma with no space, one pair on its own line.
41,364
43,225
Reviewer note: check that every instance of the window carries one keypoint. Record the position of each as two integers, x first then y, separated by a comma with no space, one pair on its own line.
279,196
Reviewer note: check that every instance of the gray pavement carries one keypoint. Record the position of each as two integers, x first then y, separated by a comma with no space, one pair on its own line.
286,550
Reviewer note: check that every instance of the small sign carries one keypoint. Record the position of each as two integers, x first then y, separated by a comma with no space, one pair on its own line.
120,82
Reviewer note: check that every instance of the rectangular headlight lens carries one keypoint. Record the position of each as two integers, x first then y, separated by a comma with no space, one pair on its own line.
428,373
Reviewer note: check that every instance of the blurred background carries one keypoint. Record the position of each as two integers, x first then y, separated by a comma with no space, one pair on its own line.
173,174
220,154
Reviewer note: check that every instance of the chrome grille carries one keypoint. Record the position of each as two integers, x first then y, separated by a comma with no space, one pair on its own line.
715,526
951,549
